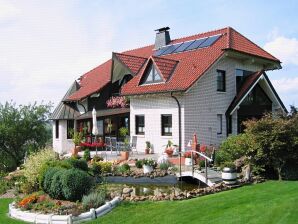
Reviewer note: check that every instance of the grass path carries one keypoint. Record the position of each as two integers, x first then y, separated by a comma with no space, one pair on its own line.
268,203
271,202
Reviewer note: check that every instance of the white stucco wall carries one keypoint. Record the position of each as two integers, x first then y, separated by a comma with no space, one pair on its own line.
203,102
152,107
61,145
199,108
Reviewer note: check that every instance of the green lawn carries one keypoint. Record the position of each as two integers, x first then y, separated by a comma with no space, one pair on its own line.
3,212
271,202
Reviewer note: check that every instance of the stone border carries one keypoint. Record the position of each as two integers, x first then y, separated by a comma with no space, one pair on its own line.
62,219
126,196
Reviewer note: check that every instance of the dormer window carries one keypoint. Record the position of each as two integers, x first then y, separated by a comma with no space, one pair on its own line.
152,75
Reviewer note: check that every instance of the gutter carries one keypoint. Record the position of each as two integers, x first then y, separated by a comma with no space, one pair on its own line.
179,121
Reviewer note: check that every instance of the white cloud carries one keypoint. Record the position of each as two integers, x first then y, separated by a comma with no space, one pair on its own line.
8,10
46,49
286,85
285,49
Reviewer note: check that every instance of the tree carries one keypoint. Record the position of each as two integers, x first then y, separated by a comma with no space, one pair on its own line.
276,141
23,129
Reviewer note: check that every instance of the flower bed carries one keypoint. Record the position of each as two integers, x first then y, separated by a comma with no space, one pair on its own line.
61,219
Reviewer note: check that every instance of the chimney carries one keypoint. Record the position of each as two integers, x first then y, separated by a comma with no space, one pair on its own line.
162,37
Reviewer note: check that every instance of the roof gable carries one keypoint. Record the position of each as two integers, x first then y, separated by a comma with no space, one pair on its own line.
238,42
133,63
251,81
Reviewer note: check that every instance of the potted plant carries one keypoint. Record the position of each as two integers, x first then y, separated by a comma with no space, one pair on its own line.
148,165
228,173
170,147
148,147
77,139
123,132
124,153
188,160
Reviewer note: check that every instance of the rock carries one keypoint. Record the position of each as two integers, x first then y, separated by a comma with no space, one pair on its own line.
127,190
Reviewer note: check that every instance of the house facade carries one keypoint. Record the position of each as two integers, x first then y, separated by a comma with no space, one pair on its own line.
205,84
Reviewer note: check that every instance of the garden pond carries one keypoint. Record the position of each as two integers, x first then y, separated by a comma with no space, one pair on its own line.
145,186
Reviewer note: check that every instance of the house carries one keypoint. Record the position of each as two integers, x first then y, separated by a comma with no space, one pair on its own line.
207,83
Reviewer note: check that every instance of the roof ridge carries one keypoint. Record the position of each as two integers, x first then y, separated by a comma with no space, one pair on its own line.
162,58
94,69
129,55
152,45
254,43
210,31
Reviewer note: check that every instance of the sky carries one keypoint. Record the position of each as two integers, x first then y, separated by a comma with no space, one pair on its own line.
46,45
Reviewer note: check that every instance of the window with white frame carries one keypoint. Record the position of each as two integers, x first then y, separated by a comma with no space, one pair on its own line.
166,124
140,124
219,123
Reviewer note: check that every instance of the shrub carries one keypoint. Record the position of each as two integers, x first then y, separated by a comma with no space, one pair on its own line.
75,183
228,164
55,190
53,163
139,164
3,186
87,155
93,200
33,167
234,147
49,177
105,167
164,166
124,168
97,158
78,164
95,169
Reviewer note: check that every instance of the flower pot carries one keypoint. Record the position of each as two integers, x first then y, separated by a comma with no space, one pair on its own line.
147,150
124,155
229,175
75,150
147,169
188,162
169,152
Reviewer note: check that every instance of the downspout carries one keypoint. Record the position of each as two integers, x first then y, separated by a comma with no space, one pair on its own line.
179,121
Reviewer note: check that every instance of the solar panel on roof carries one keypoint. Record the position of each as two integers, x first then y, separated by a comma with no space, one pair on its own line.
183,46
196,44
187,46
209,41
160,51
171,49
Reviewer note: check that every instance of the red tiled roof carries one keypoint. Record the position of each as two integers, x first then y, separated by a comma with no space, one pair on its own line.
165,66
134,63
191,66
240,43
249,82
93,81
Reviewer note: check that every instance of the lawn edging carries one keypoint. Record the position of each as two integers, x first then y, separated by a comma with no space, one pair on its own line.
62,219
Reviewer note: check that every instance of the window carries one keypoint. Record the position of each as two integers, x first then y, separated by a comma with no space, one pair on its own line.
230,125
140,124
166,125
152,75
57,128
70,128
221,81
219,123
240,77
